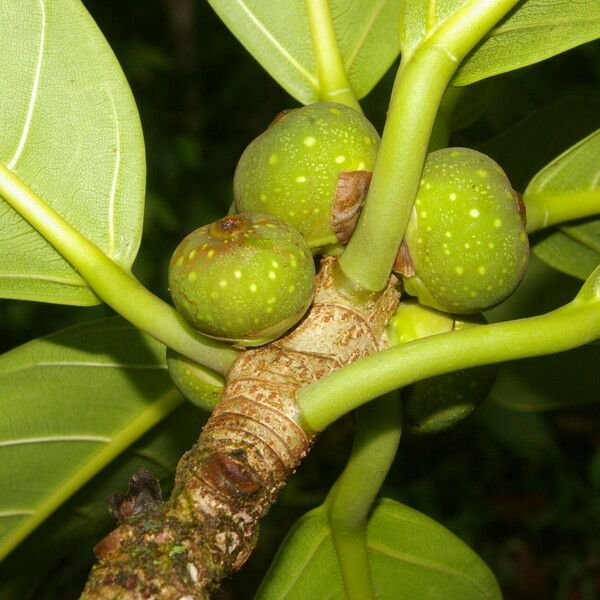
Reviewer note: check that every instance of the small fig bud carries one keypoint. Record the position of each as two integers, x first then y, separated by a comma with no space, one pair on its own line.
292,169
245,278
466,235
199,385
440,402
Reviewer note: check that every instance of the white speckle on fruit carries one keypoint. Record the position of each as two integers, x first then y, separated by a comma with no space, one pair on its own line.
263,197
309,141
427,186
272,159
490,245
335,111
301,179
271,300
237,274
497,223
367,140
423,214
293,262
474,213
467,245
340,159
452,196
291,288
447,252
210,253
192,254
223,283
448,234
291,213
269,309
274,264
179,261
481,270
361,166
418,201
272,275
213,295
316,211
482,173
459,270
192,275
253,287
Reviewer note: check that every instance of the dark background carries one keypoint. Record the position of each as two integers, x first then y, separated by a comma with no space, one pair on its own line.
529,507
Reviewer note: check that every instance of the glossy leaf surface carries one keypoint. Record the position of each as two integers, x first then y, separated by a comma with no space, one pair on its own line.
533,31
70,131
279,39
411,556
73,401
573,176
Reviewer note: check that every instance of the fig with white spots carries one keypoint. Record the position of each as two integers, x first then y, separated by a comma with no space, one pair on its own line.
466,239
245,279
292,169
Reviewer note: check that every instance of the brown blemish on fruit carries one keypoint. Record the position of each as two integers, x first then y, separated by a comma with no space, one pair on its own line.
351,190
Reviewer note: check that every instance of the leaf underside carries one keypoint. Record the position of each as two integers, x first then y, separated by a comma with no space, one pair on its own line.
533,31
574,175
280,40
69,129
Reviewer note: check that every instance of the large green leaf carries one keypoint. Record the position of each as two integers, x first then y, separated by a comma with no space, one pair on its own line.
71,402
533,31
278,36
573,176
411,557
69,129
69,535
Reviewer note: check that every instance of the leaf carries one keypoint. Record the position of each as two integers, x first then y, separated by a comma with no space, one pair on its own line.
533,31
69,129
411,557
279,39
69,535
72,402
572,177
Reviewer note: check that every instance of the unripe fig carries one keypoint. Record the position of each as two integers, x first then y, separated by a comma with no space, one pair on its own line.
245,278
199,385
440,402
292,169
466,241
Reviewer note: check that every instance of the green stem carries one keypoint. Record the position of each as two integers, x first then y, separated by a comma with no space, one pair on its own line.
545,210
420,84
570,326
334,85
349,502
115,286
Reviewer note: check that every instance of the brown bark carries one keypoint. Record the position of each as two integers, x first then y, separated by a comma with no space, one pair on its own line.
252,443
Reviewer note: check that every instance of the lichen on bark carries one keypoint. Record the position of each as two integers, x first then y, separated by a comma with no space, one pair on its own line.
252,443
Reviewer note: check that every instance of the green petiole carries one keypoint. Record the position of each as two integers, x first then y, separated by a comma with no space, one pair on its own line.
115,286
378,430
420,85
334,85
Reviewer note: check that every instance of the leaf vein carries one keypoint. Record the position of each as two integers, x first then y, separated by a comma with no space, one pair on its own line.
34,90
51,439
363,36
273,40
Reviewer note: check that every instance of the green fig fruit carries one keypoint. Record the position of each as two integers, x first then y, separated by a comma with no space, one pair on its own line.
292,170
199,385
466,245
436,403
244,279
